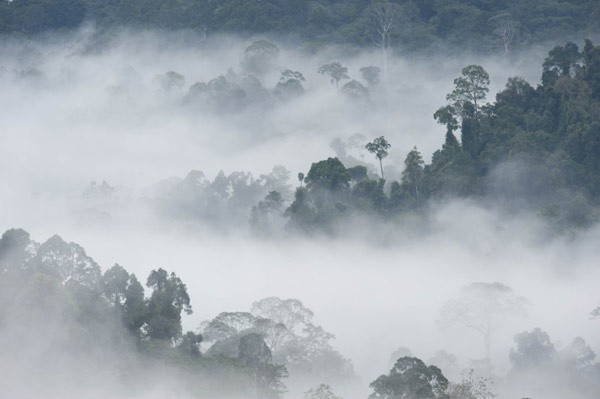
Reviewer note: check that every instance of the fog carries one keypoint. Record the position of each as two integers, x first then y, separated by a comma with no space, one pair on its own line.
86,107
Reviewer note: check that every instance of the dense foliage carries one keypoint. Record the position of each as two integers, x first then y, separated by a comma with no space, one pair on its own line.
411,24
533,149
56,298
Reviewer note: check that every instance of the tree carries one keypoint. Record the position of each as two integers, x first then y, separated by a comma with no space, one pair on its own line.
170,81
384,17
410,378
290,84
534,349
578,354
471,387
483,307
561,61
470,88
290,312
114,285
68,262
355,90
169,298
135,309
412,175
336,72
190,345
446,115
16,250
301,178
371,75
263,213
256,356
595,313
323,391
506,30
287,329
329,174
379,148
260,56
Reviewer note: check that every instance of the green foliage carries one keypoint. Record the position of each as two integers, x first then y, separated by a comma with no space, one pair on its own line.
470,90
412,176
410,378
416,25
168,299
335,71
379,147
330,175
534,148
111,327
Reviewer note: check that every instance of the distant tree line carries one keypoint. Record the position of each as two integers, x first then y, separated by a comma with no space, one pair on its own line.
408,24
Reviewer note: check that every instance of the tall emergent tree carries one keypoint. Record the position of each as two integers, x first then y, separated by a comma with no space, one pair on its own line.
385,18
379,147
483,307
470,88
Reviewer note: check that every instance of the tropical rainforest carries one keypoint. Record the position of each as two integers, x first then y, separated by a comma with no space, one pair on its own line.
423,24
325,199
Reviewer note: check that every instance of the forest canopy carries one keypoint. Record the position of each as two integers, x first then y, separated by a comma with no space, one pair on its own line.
413,25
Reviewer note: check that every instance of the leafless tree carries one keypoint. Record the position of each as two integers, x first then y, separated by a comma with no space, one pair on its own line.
505,31
385,17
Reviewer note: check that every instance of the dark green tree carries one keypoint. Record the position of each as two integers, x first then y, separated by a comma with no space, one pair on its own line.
168,299
410,378
379,147
471,88
330,175
561,61
412,176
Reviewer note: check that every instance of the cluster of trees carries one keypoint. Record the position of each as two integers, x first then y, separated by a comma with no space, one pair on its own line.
535,359
411,24
233,92
534,148
288,329
55,297
537,367
224,201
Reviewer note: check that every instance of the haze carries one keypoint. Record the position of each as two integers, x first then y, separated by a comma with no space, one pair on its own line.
81,107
